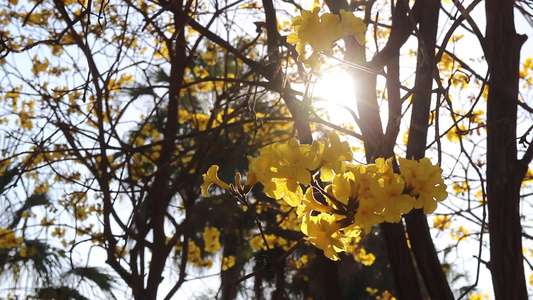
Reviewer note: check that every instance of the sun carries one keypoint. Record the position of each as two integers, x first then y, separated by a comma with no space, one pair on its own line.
334,96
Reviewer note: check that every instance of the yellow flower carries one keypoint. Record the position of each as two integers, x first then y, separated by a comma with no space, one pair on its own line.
262,167
301,263
322,32
228,262
211,237
345,187
455,133
211,177
8,239
296,160
251,179
386,295
323,232
287,189
460,235
383,168
27,251
390,200
207,263
442,222
318,32
334,155
371,291
426,183
282,167
366,259
184,116
460,188
311,204
353,25
257,242
195,256
363,176
46,222
290,221
483,297
352,231
200,121
366,215
59,232
39,66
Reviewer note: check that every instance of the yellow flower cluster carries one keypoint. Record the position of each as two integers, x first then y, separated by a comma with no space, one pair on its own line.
211,237
482,297
227,262
525,72
301,263
356,198
27,251
195,256
385,295
321,32
425,181
460,234
289,220
363,257
258,242
282,167
8,239
442,222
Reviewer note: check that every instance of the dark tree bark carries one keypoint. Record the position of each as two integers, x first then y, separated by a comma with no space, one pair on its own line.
228,278
422,245
161,189
329,277
502,50
281,279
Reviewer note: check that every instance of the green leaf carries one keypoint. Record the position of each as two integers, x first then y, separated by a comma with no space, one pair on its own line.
36,199
102,280
7,178
59,293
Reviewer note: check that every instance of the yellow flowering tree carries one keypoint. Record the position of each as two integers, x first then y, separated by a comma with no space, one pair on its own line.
148,145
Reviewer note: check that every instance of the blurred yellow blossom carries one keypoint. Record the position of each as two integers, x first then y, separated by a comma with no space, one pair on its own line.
479,297
459,234
8,239
442,222
211,237
228,262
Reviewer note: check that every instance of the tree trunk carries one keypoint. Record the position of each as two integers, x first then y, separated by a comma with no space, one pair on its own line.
422,245
228,277
329,277
502,49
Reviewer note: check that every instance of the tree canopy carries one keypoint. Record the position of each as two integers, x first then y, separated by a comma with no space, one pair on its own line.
154,148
